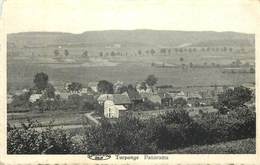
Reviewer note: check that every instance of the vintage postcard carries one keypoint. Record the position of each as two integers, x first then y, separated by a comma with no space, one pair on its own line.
129,82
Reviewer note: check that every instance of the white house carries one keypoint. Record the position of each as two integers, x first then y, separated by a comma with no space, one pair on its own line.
113,111
34,97
177,94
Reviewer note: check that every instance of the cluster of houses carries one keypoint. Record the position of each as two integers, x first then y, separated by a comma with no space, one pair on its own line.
117,104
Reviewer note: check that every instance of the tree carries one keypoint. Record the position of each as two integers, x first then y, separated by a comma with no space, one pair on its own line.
152,52
50,91
85,53
151,80
56,52
177,116
191,64
130,87
66,52
112,53
180,102
143,86
139,52
238,62
41,80
75,87
252,70
126,136
233,98
100,54
181,59
105,87
119,87
162,50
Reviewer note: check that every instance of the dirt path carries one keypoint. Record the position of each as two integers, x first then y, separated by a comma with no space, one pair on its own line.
91,118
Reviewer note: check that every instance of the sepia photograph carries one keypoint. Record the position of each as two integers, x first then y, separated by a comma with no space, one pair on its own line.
127,77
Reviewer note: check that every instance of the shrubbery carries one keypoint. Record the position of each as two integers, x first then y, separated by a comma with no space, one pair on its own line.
30,139
130,135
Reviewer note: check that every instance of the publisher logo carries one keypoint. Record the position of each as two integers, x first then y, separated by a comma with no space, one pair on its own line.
99,157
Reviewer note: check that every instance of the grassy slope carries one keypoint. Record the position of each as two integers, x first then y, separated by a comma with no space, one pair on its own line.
245,146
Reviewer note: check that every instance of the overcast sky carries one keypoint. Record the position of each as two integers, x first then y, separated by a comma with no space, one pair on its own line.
77,16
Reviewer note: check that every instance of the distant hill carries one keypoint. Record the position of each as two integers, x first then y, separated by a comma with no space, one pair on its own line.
160,38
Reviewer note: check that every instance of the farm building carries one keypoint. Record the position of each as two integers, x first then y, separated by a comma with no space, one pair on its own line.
118,99
166,99
34,97
115,107
177,94
113,111
194,99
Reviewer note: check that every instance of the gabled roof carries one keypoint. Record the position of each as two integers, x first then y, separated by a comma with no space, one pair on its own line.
121,99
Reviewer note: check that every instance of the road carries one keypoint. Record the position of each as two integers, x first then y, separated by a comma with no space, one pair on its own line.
91,118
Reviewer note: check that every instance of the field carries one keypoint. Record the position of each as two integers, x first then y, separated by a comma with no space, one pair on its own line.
55,118
245,146
128,69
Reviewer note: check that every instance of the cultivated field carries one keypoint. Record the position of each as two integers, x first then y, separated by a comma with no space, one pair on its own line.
128,69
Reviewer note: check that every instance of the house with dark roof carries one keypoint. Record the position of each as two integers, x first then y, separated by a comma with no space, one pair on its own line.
194,99
120,99
111,110
166,99
116,105
134,97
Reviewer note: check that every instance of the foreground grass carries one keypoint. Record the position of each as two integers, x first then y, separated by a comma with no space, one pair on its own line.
245,146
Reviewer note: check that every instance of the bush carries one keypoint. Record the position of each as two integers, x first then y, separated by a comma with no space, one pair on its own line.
147,105
30,140
177,116
233,98
129,135
126,136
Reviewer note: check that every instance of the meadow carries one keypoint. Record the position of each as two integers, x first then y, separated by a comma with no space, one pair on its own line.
244,146
130,69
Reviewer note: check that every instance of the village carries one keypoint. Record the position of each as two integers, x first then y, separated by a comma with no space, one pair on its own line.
113,100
